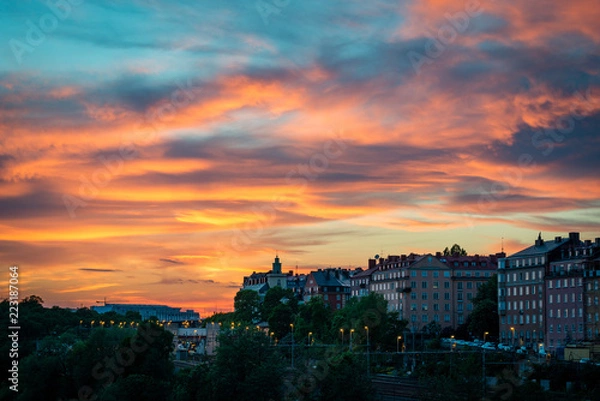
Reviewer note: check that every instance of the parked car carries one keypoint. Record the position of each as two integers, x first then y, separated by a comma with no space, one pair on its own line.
504,347
489,345
522,350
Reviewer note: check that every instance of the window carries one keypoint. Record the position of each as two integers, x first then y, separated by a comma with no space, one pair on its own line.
446,284
423,306
424,296
413,284
423,284
460,286
436,295
446,295
413,307
424,318
436,284
413,273
447,307
469,285
424,274
436,307
436,274
413,295
447,274
446,318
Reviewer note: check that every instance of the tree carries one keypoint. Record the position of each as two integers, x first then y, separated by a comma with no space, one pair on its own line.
484,317
246,304
455,250
275,297
370,311
246,368
314,317
346,380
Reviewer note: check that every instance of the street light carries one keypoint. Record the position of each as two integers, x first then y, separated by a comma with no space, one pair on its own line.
512,329
368,363
398,344
292,326
484,335
351,332
342,331
309,336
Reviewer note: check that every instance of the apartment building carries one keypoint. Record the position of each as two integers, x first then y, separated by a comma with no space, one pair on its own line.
332,285
548,293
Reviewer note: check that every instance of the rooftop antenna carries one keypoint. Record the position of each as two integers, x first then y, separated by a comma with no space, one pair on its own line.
502,244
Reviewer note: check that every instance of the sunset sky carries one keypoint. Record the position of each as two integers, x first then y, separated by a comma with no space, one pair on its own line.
157,152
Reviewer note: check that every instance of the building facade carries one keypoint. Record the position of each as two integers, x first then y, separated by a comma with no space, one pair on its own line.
547,293
161,312
332,285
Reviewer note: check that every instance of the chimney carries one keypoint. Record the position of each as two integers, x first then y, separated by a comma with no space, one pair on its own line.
558,239
438,255
597,241
574,237
372,263
539,241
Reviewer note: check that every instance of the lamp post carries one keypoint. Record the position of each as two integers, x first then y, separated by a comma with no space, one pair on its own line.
398,344
342,331
309,336
351,332
512,330
368,361
292,326
485,335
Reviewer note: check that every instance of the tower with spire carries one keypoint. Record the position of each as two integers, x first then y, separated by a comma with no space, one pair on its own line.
275,277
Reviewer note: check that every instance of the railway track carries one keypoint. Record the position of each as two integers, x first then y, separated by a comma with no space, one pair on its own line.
389,388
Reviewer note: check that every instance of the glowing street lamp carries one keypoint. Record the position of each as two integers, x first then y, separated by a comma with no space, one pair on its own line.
351,332
368,361
398,344
342,331
309,338
484,335
292,326
512,329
